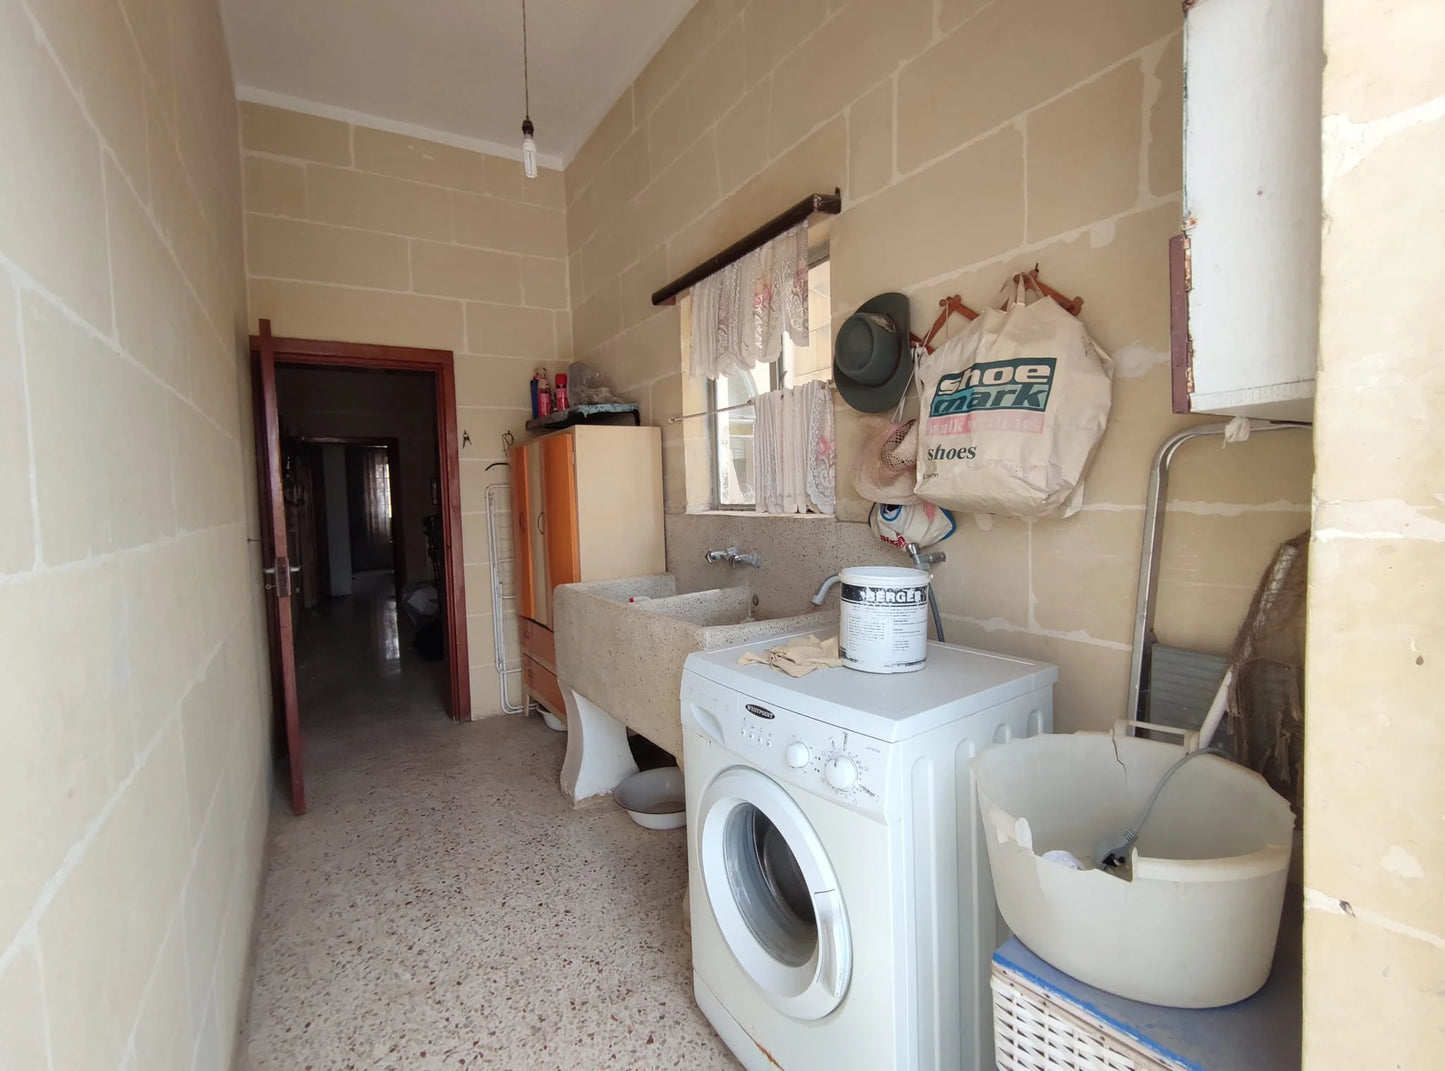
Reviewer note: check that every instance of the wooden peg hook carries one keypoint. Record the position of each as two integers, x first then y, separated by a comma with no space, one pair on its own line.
1072,306
950,305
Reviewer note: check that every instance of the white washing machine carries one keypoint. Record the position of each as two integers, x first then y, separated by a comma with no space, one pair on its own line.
842,910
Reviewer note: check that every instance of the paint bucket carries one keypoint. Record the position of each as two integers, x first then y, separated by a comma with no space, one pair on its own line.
883,624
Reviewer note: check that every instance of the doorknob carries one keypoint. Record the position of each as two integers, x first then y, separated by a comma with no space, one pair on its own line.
281,590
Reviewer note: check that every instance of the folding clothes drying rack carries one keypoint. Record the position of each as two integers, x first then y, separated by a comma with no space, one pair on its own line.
504,590
1170,685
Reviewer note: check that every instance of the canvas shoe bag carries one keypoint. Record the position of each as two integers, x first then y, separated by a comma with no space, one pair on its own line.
1013,410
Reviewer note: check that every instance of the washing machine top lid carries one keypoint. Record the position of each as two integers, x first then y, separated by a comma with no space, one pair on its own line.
954,683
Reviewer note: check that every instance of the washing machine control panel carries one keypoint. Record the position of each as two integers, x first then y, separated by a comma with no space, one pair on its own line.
808,753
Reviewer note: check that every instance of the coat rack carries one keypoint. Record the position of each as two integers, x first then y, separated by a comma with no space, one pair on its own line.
950,305
1070,305
953,305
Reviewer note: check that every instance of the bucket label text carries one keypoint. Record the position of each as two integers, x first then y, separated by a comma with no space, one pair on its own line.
885,596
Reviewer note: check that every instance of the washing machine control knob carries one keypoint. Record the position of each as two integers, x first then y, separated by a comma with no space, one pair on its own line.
841,771
797,755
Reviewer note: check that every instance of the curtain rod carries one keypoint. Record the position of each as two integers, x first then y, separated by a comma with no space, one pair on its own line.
827,383
828,203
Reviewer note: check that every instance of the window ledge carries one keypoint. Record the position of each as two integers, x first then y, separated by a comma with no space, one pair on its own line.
762,516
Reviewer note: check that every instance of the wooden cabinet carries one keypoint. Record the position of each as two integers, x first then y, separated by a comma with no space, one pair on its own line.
587,505
558,523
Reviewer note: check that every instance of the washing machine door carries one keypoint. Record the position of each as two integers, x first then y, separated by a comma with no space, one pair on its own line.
773,893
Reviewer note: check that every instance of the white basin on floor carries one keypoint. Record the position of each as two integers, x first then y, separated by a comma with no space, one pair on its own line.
619,664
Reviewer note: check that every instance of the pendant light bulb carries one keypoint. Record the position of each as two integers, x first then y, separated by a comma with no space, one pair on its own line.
529,145
529,150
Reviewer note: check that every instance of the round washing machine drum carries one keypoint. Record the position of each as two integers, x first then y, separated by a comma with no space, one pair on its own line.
773,893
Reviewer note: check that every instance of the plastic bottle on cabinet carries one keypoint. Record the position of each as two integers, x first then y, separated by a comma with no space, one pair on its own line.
544,394
559,393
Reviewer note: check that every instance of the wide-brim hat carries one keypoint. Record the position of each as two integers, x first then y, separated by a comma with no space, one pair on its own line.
872,354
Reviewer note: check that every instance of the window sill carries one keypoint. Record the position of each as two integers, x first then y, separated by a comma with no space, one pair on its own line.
762,516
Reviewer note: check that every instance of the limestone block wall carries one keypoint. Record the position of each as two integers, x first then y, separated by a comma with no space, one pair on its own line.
134,690
1375,836
367,236
971,140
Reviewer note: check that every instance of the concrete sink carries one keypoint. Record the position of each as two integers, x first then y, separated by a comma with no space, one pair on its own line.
619,664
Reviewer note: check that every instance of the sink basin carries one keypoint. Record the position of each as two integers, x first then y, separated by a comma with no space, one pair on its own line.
622,661
726,617
715,606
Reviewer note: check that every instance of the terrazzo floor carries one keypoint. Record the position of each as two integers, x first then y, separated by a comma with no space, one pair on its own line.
442,904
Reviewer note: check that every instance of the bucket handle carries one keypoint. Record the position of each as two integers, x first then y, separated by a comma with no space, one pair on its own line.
1189,738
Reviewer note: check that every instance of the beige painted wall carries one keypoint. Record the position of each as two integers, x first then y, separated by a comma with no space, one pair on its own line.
970,141
343,402
1375,835
133,699
366,236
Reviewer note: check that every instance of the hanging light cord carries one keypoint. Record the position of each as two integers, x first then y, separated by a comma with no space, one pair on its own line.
529,145
526,86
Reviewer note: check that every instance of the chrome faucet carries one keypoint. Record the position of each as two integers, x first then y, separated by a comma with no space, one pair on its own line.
824,588
923,561
732,556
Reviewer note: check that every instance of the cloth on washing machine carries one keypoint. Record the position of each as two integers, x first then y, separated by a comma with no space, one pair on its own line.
798,657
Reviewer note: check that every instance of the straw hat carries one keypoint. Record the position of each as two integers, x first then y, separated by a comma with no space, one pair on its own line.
887,461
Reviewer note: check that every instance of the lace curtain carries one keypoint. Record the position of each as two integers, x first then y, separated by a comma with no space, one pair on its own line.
794,450
739,313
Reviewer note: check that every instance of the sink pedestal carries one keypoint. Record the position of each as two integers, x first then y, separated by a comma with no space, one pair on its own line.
619,664
598,758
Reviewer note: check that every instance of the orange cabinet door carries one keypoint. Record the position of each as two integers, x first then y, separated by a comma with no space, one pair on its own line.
559,510
522,511
541,597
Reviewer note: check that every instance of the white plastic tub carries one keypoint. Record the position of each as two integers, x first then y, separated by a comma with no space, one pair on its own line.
1195,925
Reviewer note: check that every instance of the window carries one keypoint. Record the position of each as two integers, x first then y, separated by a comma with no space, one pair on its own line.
730,434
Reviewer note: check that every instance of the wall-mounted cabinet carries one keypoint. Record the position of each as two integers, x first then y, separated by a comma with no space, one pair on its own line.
1245,272
586,505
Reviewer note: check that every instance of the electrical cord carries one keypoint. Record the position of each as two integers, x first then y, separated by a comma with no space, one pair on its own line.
1113,852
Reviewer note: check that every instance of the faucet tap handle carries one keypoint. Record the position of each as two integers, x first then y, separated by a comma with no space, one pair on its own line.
921,560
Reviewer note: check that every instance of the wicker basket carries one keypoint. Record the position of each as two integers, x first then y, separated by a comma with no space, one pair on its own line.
1035,1031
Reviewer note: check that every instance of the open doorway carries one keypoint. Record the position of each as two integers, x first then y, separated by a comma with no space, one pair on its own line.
361,469
344,513
358,471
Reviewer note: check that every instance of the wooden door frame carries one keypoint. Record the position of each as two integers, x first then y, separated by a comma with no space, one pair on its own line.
392,446
317,353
